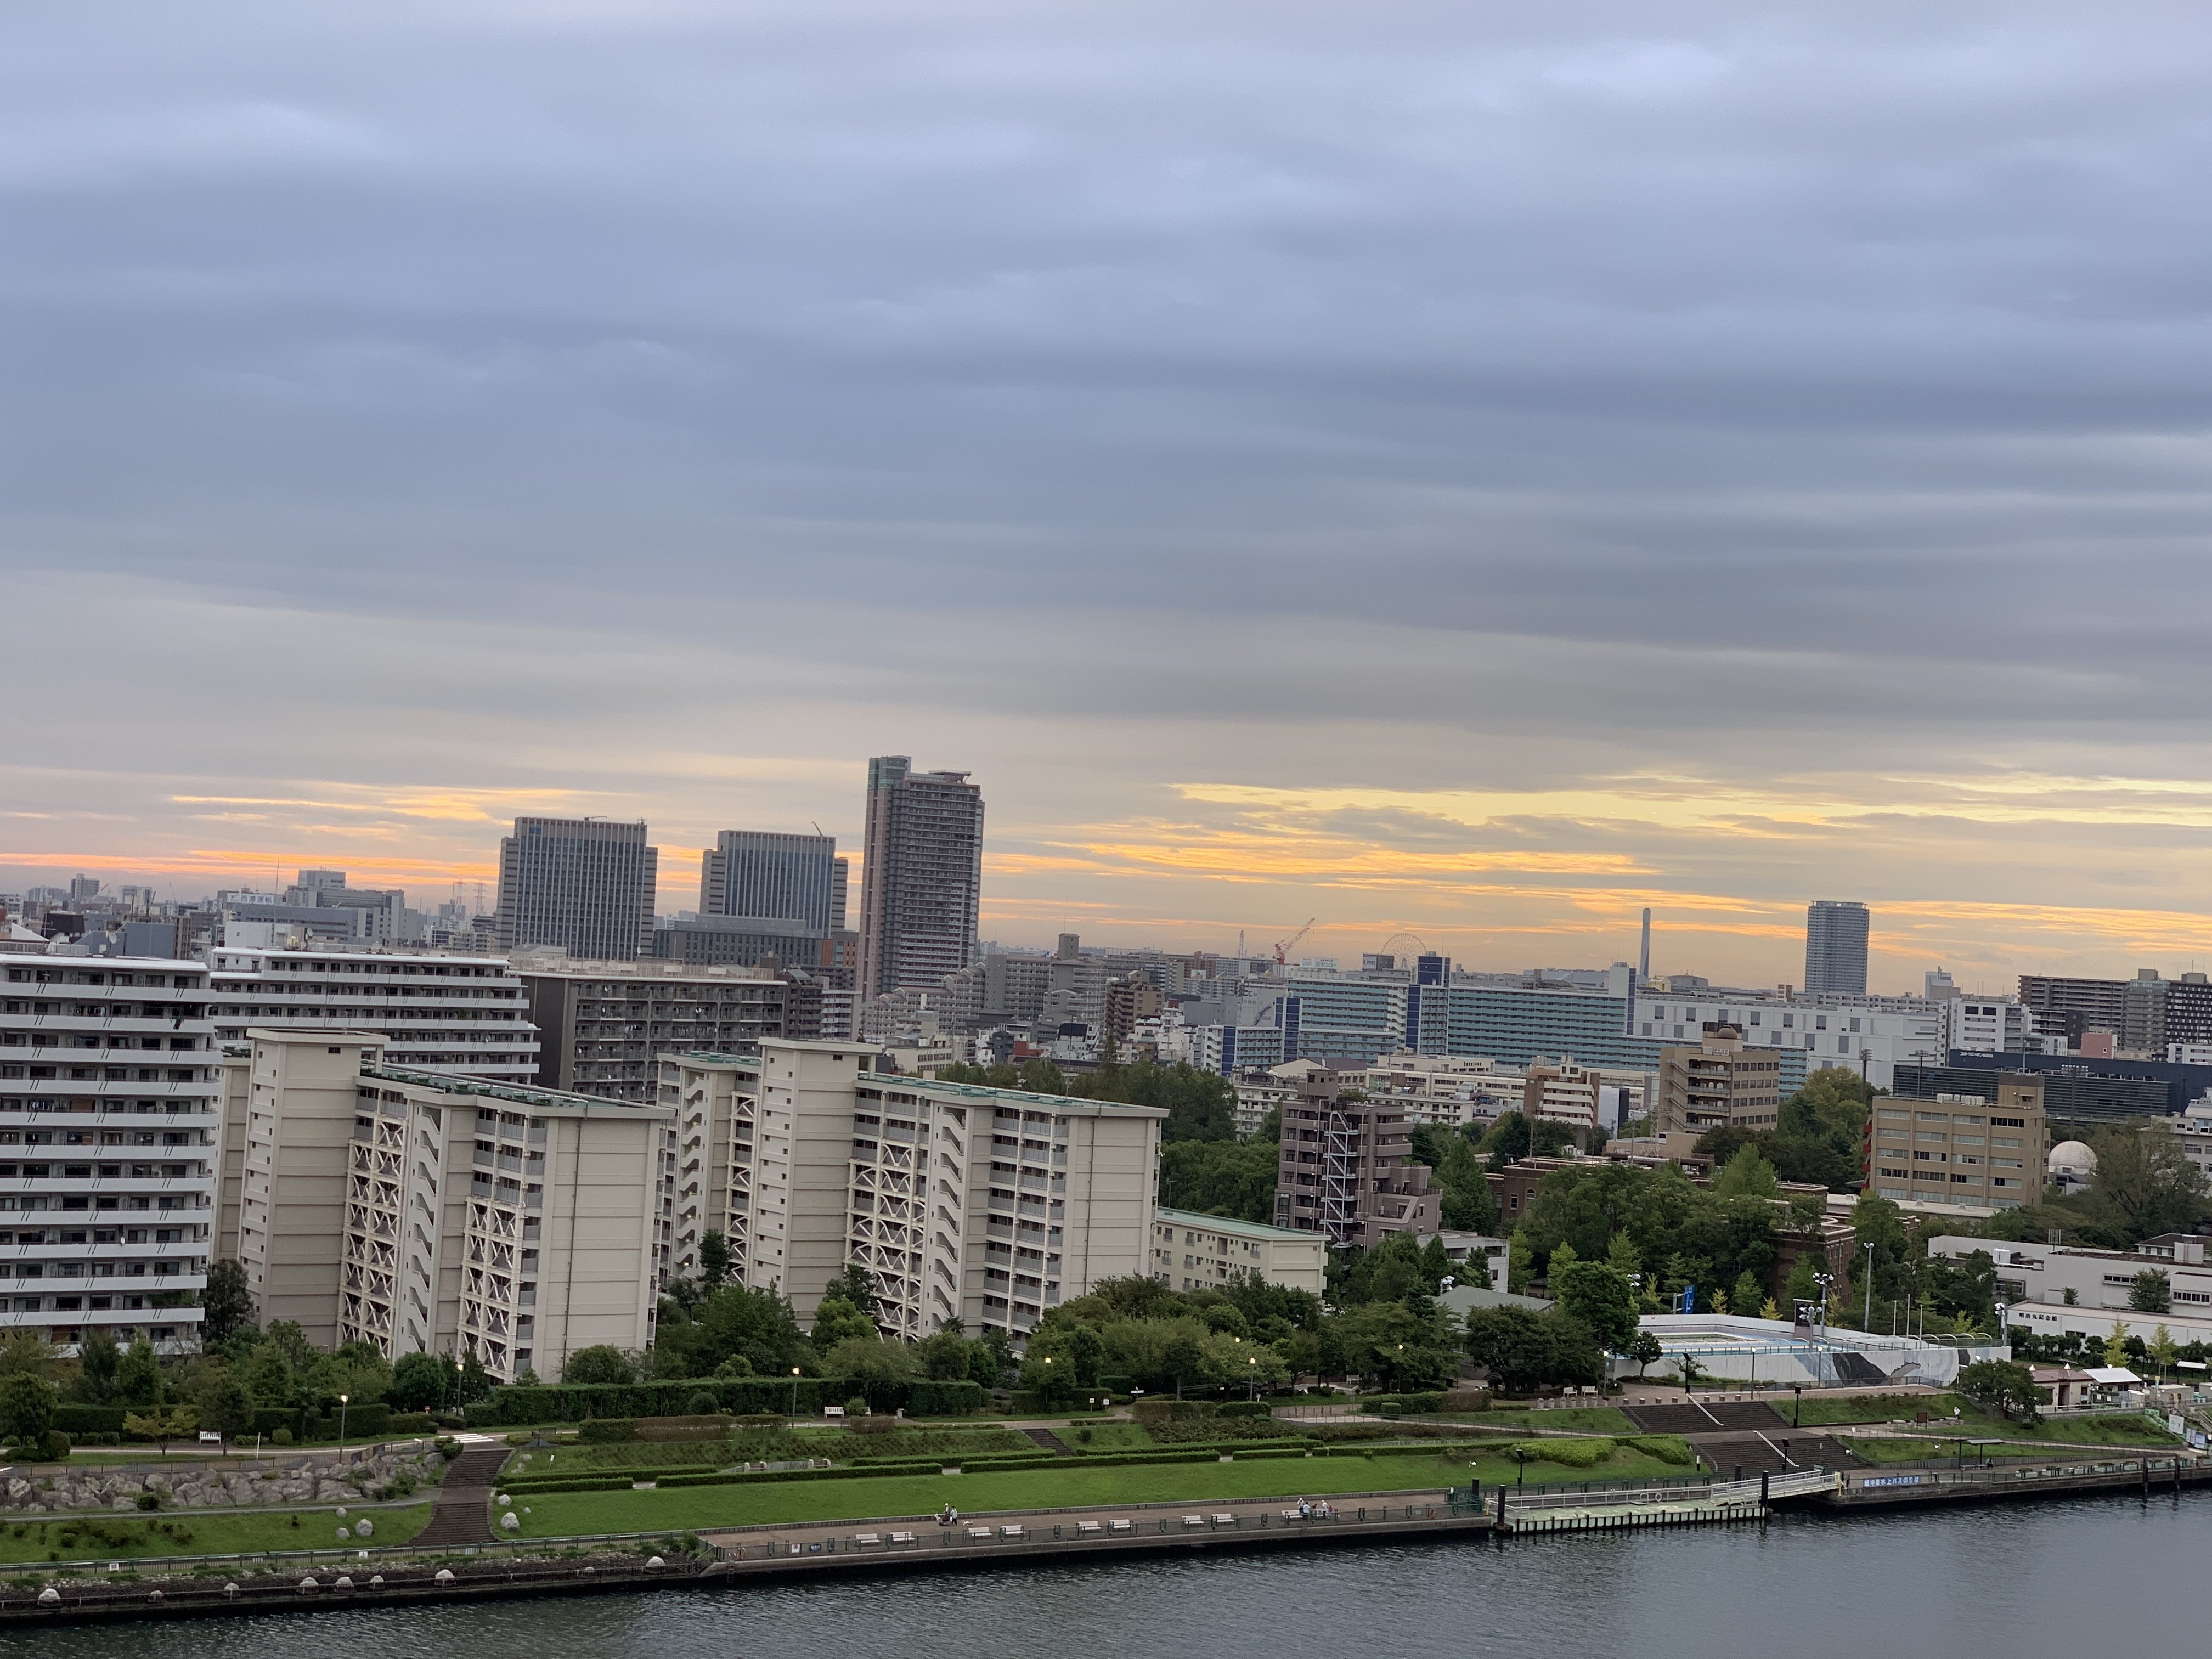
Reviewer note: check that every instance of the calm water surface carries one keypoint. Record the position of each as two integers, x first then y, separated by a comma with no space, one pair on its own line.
2054,1578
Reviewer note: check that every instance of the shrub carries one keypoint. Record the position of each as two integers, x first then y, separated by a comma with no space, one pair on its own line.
856,1406
1247,1408
1575,1453
411,1423
281,1437
604,1431
150,1500
1667,1447
703,1404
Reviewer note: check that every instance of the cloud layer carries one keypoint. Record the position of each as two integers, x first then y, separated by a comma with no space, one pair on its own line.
1441,468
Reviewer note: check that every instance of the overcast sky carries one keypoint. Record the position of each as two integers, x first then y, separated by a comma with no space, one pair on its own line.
1469,470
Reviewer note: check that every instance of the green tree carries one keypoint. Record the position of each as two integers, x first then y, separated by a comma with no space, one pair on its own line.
22,1352
2144,1185
27,1409
1519,1262
269,1375
759,1325
2150,1292
603,1363
1052,1379
423,1381
226,1304
2116,1344
1746,1175
292,1342
714,1260
838,1320
855,1288
2002,1386
226,1406
871,1362
98,1360
138,1376
163,1424
1748,1294
1523,1351
1803,1287
475,1383
2163,1350
1232,1178
1599,1297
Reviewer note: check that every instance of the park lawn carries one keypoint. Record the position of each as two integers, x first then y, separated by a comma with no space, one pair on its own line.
125,1535
1111,1437
1593,1419
1818,1410
569,1514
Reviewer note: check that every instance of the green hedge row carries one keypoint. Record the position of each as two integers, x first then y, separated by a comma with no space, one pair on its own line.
763,1395
364,1422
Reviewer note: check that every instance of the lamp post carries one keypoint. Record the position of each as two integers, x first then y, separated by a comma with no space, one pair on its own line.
1870,1288
1826,1283
341,1411
1252,1375
1797,1407
794,1390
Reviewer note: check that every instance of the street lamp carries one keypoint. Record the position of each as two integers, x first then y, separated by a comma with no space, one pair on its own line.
1252,1375
1869,1287
794,1390
341,1411
1826,1283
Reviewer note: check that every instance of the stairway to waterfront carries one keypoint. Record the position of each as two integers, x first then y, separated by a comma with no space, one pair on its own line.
1695,1418
462,1512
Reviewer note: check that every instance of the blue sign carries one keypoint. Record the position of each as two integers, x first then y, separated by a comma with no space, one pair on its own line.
1689,1302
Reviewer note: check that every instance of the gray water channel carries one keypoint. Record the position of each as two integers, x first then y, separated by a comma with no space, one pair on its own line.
2022,1581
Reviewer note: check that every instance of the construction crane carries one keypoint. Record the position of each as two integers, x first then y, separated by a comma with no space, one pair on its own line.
1283,945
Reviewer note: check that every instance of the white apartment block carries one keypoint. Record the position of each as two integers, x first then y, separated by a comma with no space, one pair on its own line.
1988,1025
467,1015
1192,1252
981,1205
438,1214
2070,1277
107,1128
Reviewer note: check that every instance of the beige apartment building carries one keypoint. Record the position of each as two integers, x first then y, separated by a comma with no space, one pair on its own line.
1347,1171
983,1205
602,1025
1961,1149
1719,1081
439,1214
1193,1252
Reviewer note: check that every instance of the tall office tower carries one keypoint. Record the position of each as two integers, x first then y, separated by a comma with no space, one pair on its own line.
1836,948
921,876
585,884
756,873
109,1088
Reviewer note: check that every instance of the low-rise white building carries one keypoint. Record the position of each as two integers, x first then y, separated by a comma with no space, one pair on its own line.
2073,1276
1194,1252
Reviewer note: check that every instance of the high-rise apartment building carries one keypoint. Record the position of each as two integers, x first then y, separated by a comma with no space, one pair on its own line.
759,874
922,875
602,1025
108,1131
584,886
467,1015
1717,1083
987,1207
2143,1014
1346,1167
1836,948
437,1214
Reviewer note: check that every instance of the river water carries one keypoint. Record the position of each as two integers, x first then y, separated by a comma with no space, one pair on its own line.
2053,1577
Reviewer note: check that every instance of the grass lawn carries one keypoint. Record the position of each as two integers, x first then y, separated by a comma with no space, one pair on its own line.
2118,1429
558,1514
127,1536
1822,1410
1594,1419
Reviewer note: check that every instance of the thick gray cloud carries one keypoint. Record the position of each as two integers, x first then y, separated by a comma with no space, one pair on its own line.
1801,405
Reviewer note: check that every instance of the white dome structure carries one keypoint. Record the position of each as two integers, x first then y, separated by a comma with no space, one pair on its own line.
2071,1164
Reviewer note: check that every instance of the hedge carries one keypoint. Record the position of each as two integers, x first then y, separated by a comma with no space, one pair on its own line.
513,1406
90,1419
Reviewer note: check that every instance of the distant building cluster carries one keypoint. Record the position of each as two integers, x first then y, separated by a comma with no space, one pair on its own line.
503,1127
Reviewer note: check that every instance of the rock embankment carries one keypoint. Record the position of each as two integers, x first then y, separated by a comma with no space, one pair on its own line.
182,1487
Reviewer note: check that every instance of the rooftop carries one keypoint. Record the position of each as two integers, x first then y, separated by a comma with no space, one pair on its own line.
538,1100
1223,1223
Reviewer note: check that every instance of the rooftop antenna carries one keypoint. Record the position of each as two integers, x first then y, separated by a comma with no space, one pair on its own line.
817,828
1643,962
